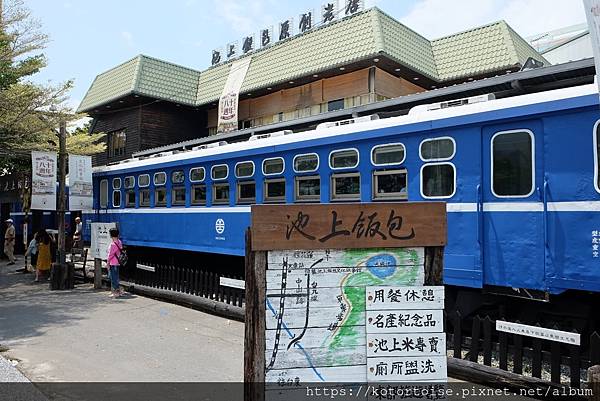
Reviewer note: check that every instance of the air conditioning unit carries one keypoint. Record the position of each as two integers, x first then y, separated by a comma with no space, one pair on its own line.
331,124
210,145
452,103
270,135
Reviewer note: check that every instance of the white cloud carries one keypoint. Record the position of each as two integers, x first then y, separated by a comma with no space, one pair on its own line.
244,16
436,18
127,38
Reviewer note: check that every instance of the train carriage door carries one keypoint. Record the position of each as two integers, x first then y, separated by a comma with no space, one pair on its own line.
512,221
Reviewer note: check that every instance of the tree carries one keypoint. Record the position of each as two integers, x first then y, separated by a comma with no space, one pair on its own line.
30,113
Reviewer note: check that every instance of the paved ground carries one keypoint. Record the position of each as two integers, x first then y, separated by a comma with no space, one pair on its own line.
83,335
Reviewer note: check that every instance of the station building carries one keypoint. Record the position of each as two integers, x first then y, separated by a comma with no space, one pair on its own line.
353,66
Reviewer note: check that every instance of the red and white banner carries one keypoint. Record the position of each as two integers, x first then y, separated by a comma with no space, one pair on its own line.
228,103
43,180
80,183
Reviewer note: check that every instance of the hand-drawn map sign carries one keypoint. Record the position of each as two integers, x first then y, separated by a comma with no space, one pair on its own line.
361,225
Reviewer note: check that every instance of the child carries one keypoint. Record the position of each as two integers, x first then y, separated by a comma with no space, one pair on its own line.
32,251
112,263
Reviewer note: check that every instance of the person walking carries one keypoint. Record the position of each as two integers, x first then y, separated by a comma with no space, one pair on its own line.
44,259
9,242
112,262
32,251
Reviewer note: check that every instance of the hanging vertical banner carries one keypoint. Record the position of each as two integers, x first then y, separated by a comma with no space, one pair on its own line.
592,13
43,180
80,183
228,103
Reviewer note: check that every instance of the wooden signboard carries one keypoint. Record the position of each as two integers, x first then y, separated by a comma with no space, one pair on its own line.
335,290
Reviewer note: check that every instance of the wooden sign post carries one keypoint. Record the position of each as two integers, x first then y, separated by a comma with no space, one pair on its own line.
331,288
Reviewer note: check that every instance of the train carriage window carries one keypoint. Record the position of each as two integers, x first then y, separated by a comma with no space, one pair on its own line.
597,156
513,164
197,174
306,163
273,166
275,190
177,177
160,178
346,158
116,182
438,180
116,198
129,182
143,180
308,188
198,194
345,186
246,192
178,196
388,155
219,172
220,193
130,199
160,197
438,149
244,169
144,198
389,184
103,193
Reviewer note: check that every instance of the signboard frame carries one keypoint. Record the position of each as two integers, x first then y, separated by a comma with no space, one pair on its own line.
317,227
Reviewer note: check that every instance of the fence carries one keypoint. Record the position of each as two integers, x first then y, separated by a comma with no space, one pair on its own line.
549,360
190,280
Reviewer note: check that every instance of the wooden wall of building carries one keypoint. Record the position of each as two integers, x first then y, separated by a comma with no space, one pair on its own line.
354,83
127,120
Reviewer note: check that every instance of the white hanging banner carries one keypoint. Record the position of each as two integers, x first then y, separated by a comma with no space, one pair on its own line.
80,183
228,103
43,181
592,13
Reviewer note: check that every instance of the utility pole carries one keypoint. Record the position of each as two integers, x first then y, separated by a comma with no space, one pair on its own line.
62,175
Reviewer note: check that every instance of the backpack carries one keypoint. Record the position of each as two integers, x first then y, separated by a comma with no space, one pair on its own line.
122,256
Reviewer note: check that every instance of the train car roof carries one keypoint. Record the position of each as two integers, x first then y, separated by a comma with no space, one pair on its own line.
420,115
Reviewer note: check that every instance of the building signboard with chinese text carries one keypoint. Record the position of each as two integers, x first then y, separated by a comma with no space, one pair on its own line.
592,13
228,103
81,196
538,332
43,180
345,292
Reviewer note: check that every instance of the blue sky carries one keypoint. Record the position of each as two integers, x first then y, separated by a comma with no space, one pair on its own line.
91,36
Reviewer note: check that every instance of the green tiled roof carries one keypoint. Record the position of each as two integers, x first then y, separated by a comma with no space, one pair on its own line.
143,75
486,49
483,50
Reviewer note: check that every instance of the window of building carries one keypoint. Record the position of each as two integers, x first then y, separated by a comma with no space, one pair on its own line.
130,199
143,180
346,158
437,149
345,186
275,190
197,174
306,163
116,143
244,169
103,193
389,184
160,197
388,155
220,193
199,194
597,156
438,180
116,198
273,166
178,196
177,177
160,178
219,172
246,192
129,182
513,164
337,104
308,188
116,183
144,197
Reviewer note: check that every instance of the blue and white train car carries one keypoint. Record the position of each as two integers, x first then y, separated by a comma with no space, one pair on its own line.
519,175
